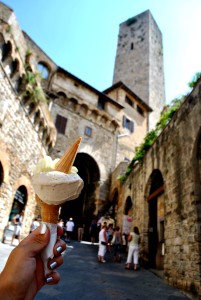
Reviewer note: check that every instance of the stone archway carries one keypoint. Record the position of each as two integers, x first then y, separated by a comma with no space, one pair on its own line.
83,209
155,201
19,201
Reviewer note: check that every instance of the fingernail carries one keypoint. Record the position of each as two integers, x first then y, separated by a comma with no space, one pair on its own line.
59,249
49,279
43,228
53,265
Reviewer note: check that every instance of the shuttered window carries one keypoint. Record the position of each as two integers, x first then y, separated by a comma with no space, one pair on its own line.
61,124
129,124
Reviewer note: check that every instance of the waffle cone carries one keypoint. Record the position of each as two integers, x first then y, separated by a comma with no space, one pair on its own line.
49,213
66,161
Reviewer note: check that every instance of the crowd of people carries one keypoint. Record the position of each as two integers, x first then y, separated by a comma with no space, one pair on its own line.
113,241
108,237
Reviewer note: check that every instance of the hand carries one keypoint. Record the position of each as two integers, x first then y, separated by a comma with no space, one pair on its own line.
23,274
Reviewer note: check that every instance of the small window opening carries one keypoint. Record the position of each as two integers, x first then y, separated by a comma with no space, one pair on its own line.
101,104
88,131
43,70
61,124
140,110
129,101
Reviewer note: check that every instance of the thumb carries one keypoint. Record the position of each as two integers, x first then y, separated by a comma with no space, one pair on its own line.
36,241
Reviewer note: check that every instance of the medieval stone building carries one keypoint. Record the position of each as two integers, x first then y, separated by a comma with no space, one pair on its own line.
139,61
44,116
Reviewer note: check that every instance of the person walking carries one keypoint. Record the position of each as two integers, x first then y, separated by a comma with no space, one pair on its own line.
69,229
34,225
133,248
93,231
117,243
17,221
102,244
80,232
110,232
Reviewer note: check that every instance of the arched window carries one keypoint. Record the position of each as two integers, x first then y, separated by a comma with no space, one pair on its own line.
43,70
14,67
128,205
6,50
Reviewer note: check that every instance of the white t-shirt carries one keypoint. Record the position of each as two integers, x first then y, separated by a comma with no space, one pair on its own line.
69,226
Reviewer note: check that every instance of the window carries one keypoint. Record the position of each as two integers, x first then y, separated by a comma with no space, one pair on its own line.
140,110
43,70
88,131
101,104
6,50
61,124
129,101
127,123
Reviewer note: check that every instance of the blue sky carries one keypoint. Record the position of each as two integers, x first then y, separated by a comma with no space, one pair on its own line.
81,36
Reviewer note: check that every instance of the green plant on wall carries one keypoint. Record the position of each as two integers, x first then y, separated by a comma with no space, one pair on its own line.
9,29
194,80
33,89
151,136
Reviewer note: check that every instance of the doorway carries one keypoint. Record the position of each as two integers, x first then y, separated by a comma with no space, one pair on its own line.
83,209
156,221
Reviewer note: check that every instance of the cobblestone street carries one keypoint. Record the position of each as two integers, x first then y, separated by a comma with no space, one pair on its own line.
82,277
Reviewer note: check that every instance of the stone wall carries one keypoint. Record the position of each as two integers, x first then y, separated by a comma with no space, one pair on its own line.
176,155
26,128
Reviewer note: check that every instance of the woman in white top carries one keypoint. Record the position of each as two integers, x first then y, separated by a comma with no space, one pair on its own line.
133,249
102,244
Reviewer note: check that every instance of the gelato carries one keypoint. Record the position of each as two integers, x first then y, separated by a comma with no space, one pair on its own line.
55,182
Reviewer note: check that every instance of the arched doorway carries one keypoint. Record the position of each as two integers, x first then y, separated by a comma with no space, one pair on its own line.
156,221
83,209
19,201
127,216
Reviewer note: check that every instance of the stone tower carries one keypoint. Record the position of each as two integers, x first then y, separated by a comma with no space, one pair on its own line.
139,61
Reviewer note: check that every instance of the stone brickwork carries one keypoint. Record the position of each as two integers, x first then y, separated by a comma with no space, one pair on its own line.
26,129
139,61
176,155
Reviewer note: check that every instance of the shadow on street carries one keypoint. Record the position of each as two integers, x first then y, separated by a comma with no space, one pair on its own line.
82,277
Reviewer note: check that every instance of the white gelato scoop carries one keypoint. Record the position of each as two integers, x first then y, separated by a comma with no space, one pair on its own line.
56,187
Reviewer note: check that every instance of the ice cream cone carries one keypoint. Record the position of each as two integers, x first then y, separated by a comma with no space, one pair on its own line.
66,161
53,188
49,213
